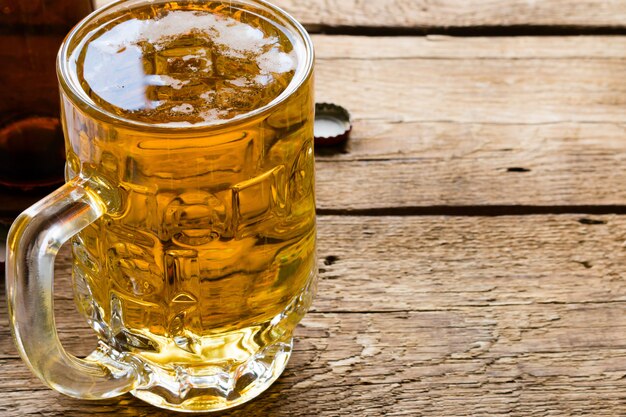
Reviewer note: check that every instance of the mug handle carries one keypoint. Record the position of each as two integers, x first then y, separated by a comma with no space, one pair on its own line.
33,243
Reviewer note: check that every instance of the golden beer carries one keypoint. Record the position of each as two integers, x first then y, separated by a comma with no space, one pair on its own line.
189,137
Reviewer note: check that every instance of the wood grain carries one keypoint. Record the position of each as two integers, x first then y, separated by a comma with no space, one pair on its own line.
426,14
418,80
429,14
428,316
450,47
443,121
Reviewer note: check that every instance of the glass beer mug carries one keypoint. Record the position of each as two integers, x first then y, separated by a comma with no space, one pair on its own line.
189,203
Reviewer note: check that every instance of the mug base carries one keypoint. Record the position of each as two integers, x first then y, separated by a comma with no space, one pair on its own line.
208,390
248,362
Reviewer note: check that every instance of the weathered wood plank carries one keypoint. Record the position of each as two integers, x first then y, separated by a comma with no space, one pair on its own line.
428,316
448,47
428,14
390,165
443,121
479,85
412,363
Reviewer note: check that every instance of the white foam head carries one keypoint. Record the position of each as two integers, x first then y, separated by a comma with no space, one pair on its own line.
114,61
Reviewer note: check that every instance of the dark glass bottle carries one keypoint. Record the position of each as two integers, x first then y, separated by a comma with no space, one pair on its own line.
32,153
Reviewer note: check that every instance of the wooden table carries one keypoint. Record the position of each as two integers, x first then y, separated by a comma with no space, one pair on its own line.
472,235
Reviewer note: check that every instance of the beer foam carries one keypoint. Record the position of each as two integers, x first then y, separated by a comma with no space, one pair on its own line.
240,38
276,61
165,80
237,39
183,108
133,63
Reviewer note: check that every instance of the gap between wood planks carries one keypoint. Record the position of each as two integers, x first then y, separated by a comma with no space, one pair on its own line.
480,211
472,31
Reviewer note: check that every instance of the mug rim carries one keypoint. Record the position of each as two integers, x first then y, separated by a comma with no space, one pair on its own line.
77,95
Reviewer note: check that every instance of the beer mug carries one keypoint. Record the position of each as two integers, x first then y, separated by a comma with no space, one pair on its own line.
189,203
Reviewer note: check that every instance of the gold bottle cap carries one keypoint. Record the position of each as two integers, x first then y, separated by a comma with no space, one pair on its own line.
332,124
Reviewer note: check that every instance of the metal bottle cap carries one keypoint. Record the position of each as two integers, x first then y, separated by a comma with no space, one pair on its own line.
332,124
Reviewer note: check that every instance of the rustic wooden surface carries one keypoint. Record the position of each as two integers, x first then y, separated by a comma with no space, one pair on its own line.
431,15
446,121
437,15
473,233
